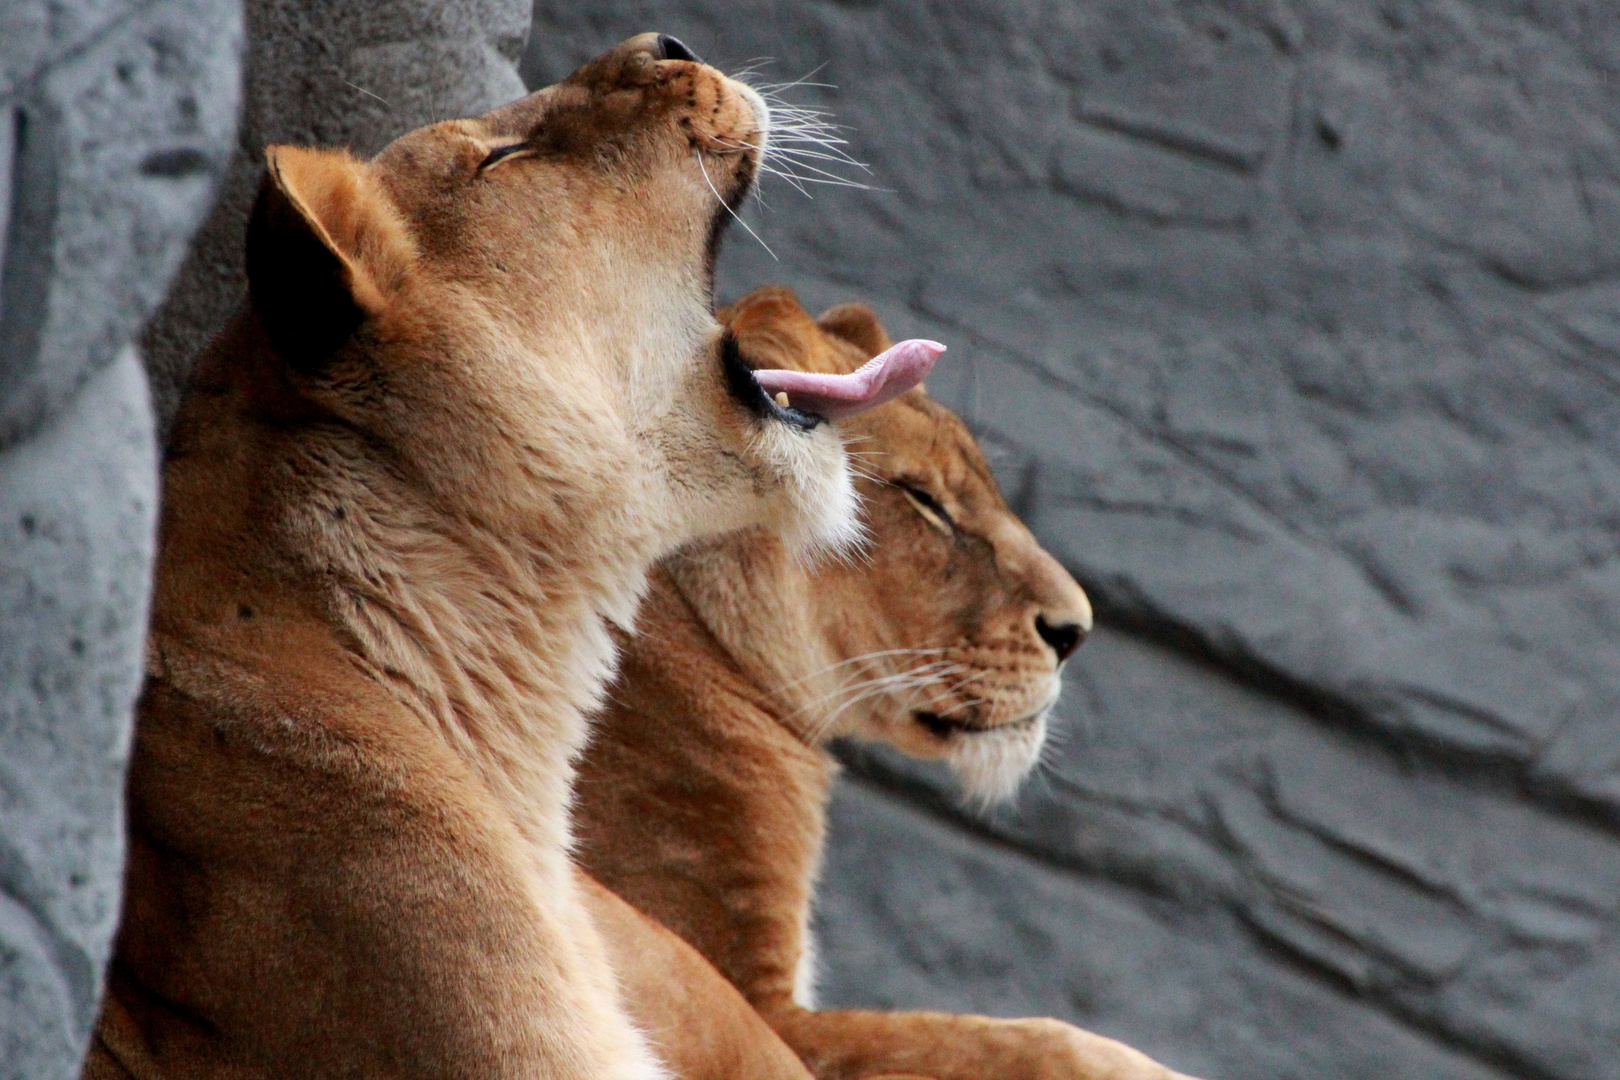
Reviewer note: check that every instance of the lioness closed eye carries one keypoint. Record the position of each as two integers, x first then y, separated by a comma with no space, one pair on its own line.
476,390
706,785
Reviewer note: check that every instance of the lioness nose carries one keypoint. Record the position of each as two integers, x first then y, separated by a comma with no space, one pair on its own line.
657,46
673,48
1063,616
1063,637
1060,607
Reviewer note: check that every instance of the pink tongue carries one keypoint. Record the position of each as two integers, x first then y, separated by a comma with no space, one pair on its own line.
885,376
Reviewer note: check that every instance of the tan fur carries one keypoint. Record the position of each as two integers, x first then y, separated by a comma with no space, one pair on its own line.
411,486
702,797
699,1025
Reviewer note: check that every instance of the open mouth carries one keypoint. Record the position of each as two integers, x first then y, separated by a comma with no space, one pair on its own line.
752,396
943,727
804,399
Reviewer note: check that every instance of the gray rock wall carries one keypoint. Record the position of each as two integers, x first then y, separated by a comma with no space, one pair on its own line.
116,120
1296,328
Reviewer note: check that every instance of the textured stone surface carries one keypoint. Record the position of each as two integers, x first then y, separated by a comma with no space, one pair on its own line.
979,927
1302,899
117,118
1297,327
77,505
319,73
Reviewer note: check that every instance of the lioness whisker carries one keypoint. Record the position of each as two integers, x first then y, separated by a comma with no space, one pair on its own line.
799,136
917,680
918,686
857,685
735,216
803,158
828,723
789,177
878,680
805,81
819,155
861,659
825,178
749,69
780,157
864,688
768,165
791,138
771,88
808,126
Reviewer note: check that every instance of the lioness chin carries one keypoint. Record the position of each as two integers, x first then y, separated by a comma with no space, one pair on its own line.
704,790
477,388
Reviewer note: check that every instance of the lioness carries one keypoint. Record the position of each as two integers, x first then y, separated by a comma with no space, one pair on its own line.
477,388
703,792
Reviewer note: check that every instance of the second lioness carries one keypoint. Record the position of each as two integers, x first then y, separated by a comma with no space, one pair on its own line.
702,798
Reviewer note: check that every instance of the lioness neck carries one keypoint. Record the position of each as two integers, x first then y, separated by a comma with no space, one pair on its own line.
754,598
495,637
496,642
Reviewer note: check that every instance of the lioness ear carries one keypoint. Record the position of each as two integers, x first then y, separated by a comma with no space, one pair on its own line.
856,324
325,251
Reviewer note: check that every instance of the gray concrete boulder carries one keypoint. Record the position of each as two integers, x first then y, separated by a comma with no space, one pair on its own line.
116,124
329,74
1295,329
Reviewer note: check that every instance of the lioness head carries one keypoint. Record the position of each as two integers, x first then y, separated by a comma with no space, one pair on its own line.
516,311
945,635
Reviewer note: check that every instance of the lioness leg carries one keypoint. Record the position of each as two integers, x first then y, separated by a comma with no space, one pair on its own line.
698,1023
863,1045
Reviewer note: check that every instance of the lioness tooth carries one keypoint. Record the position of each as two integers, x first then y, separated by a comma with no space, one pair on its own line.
781,398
